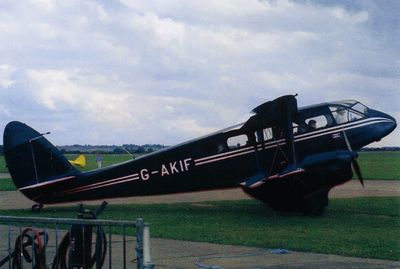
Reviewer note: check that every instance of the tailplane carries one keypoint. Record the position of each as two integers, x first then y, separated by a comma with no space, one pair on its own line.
31,158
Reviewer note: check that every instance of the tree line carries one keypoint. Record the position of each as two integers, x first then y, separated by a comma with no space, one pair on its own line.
106,149
144,149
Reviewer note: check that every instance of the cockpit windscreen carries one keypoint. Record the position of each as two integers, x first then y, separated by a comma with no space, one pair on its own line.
347,111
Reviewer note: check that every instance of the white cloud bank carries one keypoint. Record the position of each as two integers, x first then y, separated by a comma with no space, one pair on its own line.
101,72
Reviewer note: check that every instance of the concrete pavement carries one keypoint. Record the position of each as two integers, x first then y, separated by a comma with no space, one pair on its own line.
182,254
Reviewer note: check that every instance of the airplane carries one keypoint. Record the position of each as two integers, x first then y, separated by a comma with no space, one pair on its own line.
285,156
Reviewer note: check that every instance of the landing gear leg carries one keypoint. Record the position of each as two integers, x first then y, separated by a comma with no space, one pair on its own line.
37,207
314,205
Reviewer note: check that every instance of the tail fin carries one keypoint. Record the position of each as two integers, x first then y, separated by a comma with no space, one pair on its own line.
31,158
79,161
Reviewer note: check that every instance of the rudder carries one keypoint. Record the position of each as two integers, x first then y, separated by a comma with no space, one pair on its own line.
31,158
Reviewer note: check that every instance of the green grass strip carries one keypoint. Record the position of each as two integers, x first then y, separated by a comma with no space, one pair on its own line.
3,168
359,227
6,184
380,165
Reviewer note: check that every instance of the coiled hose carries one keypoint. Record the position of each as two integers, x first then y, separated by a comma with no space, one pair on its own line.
28,238
60,260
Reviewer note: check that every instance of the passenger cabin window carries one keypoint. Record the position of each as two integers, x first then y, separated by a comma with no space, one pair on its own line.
237,141
264,135
317,122
296,128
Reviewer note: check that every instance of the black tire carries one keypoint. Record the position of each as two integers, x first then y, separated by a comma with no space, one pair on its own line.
315,204
37,207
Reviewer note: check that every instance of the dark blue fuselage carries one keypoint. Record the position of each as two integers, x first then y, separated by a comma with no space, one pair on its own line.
226,158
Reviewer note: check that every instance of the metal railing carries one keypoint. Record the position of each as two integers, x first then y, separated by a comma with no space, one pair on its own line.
49,230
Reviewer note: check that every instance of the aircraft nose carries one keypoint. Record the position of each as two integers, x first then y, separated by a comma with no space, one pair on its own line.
394,124
390,125
384,125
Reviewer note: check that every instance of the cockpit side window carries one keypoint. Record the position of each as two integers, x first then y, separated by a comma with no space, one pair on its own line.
312,123
340,114
343,115
317,122
355,116
358,107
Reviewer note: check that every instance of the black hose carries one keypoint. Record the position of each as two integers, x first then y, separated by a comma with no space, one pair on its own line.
61,258
28,238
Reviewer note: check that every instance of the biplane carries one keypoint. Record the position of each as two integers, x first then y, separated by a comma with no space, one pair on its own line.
285,156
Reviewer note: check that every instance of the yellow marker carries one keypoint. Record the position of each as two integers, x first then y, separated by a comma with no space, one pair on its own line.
80,161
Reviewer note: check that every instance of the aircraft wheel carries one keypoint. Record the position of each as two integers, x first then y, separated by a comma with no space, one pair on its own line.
37,207
314,205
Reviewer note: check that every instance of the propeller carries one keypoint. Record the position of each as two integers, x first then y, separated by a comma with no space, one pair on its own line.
354,163
356,168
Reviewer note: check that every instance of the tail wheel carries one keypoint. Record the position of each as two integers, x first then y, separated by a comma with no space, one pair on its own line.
37,207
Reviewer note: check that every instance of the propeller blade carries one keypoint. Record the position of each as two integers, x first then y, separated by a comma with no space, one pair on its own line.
354,163
357,169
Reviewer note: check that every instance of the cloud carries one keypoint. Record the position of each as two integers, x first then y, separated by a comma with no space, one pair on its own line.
6,72
347,17
168,71
88,98
5,112
164,32
59,90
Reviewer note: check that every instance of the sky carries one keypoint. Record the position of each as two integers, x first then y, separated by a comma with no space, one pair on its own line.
135,72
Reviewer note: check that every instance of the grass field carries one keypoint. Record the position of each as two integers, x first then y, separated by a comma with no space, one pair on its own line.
360,227
374,165
380,165
6,184
3,168
108,159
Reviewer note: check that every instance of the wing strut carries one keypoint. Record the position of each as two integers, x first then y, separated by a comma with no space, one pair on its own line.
287,108
279,112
